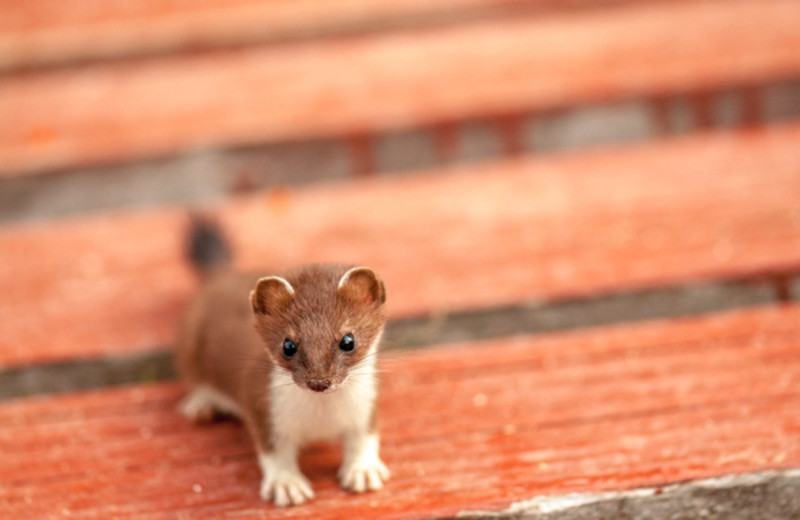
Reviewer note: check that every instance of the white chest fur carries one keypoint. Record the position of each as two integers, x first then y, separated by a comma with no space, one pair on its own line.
300,415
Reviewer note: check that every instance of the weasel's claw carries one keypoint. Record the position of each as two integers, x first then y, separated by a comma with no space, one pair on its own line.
283,483
289,490
364,476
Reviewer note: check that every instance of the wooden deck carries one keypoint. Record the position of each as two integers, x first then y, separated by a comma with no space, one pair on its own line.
56,119
40,32
479,425
521,231
465,427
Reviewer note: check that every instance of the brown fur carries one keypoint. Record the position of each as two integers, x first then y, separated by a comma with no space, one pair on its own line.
234,331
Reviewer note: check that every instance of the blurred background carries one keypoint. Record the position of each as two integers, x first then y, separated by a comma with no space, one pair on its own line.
510,165
114,104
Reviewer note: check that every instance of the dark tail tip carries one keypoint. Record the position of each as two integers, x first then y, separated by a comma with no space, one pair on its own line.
207,248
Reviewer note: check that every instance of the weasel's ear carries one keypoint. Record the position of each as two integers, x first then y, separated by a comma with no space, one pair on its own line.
271,295
361,284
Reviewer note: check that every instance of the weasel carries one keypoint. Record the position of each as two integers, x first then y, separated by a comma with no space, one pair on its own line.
292,355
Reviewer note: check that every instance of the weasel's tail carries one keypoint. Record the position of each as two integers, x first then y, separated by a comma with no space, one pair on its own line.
207,248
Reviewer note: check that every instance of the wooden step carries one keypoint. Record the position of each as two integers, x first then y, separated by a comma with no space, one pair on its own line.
702,208
125,111
472,426
41,32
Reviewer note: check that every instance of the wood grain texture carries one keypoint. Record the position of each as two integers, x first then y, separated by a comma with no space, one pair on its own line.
706,207
471,426
64,118
41,32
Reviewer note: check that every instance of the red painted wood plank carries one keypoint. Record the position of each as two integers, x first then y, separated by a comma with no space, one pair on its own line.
714,206
654,366
38,452
39,32
123,111
577,411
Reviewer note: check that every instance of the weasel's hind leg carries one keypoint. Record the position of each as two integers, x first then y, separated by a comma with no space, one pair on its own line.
204,404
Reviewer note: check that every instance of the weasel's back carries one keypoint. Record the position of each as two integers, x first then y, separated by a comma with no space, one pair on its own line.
220,315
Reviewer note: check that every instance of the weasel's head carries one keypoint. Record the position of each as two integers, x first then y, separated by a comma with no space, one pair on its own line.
321,323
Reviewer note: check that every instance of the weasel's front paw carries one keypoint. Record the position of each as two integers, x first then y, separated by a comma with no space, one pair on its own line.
284,485
368,473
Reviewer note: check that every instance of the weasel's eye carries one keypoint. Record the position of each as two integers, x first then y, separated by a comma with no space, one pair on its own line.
289,348
348,343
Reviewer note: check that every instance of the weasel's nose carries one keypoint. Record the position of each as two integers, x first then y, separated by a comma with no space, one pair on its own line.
319,385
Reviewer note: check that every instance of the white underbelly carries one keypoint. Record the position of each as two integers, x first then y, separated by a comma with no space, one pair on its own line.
303,416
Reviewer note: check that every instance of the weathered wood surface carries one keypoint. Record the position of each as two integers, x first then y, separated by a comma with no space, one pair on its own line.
44,32
69,117
473,426
673,212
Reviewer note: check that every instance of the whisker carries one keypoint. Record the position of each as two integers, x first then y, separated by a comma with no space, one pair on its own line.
368,358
